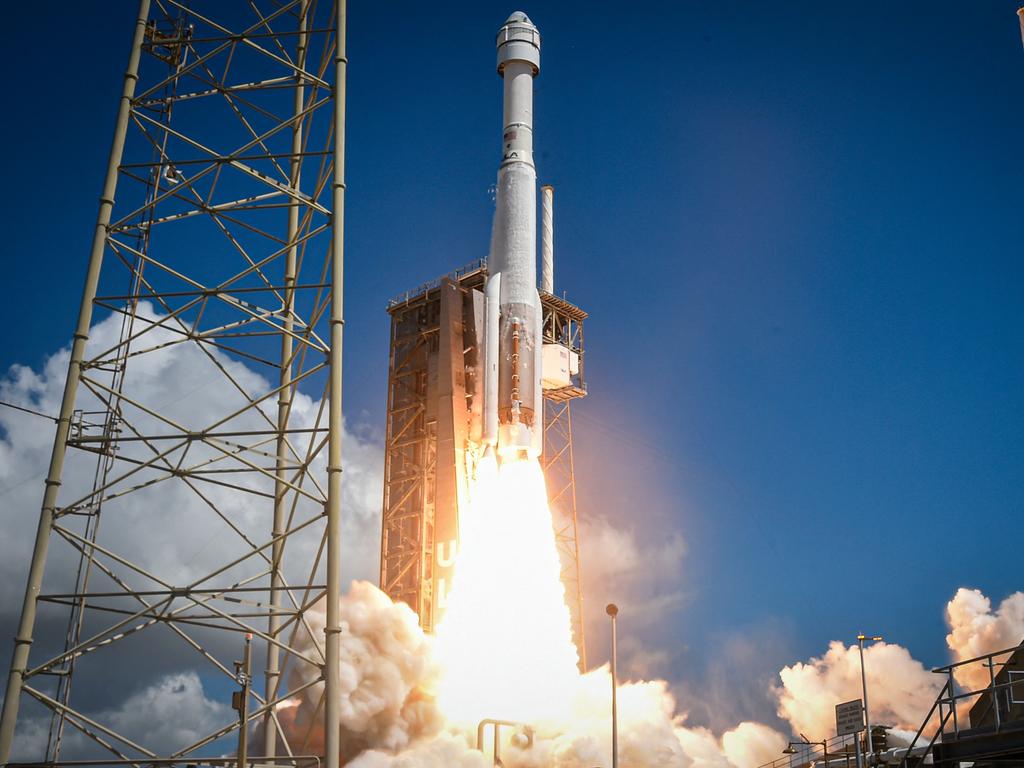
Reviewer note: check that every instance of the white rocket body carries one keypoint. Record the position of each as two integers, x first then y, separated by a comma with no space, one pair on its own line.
513,400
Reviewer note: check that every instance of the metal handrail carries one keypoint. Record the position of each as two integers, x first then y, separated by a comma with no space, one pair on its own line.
403,298
835,747
948,698
983,657
942,724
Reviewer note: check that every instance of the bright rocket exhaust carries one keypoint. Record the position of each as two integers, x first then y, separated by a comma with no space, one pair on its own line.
513,405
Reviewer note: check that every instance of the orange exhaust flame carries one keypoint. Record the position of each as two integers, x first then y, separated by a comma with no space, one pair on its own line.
505,643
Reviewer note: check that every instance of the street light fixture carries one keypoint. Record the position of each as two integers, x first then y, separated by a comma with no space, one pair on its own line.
864,684
791,748
613,610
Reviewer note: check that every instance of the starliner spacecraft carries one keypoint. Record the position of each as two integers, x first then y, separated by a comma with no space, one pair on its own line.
513,399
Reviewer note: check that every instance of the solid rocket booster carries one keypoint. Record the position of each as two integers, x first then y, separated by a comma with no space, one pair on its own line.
513,401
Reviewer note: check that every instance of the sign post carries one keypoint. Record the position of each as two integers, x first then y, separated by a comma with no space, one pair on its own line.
850,719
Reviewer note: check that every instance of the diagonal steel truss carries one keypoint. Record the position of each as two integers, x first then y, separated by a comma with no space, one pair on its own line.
223,253
560,474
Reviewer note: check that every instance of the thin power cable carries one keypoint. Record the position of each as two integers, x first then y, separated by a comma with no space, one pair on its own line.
54,419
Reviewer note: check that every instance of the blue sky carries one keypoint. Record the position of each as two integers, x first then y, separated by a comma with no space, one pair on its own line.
797,228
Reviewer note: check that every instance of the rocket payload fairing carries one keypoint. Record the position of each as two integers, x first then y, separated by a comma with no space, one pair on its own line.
513,408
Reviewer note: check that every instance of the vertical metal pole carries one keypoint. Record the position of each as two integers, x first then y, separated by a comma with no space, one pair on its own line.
613,611
547,239
332,681
245,678
864,685
284,402
857,752
576,544
26,626
995,697
952,702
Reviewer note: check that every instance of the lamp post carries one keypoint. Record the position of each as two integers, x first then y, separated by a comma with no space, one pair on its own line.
613,610
864,684
791,748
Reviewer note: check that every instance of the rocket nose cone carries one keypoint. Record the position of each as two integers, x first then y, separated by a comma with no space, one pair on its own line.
518,16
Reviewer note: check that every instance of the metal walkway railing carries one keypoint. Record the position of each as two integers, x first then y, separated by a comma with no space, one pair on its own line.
949,701
949,708
837,752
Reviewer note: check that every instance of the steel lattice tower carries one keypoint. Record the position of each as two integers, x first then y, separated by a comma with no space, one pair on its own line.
224,247
433,402
563,324
560,474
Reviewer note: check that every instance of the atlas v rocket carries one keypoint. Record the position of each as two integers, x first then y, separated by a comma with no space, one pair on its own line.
513,409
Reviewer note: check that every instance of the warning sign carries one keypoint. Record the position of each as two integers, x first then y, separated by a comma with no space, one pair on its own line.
849,717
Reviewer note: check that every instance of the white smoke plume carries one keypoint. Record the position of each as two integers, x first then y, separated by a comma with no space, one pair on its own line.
703,748
386,670
975,629
443,751
750,744
390,719
902,690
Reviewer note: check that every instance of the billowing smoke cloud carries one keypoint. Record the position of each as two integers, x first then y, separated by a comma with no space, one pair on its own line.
752,744
444,751
975,629
902,690
390,719
387,670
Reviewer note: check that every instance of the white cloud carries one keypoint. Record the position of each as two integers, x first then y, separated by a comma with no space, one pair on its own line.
186,539
172,712
165,528
975,629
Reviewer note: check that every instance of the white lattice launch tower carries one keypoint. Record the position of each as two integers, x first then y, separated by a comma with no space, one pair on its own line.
196,522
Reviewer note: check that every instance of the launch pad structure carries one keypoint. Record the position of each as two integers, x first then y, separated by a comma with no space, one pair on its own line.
434,401
219,244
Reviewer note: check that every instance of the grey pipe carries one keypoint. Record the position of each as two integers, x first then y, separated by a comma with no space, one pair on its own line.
547,238
284,402
332,645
